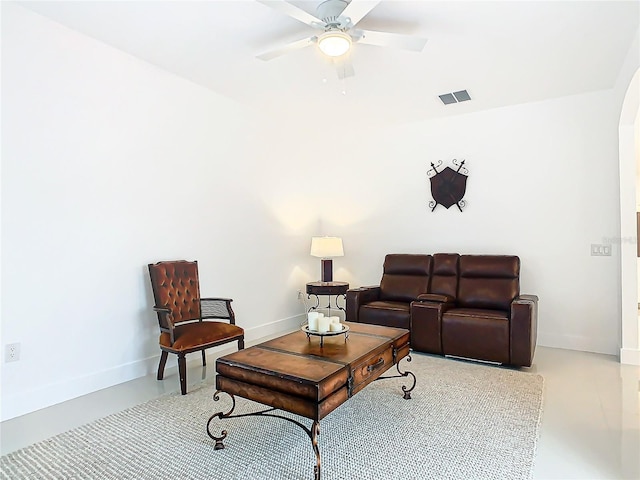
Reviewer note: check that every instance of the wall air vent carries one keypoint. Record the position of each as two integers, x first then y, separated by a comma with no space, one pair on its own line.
455,97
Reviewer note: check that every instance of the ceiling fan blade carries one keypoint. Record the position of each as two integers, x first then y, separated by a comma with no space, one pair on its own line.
276,52
344,68
294,12
396,40
358,9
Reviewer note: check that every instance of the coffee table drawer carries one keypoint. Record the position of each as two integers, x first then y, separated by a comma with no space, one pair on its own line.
305,407
371,368
311,378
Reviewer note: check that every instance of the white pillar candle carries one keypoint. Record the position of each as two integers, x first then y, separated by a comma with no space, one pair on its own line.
312,320
335,327
323,324
335,319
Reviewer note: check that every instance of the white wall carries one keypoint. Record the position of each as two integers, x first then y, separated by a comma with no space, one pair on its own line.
108,164
542,185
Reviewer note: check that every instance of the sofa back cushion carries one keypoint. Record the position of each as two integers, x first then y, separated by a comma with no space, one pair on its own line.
488,281
405,276
444,276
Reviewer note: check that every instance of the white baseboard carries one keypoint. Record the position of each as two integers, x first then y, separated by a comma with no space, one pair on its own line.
48,395
273,328
575,342
52,394
629,356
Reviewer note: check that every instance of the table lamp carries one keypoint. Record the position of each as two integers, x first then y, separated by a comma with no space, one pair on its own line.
325,248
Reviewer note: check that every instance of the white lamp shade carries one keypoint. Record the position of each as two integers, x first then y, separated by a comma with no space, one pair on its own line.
334,43
325,247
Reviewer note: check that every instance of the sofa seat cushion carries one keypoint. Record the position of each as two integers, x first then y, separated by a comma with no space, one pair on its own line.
463,313
476,333
387,313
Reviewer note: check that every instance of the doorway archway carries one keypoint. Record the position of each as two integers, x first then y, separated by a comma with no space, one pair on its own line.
629,141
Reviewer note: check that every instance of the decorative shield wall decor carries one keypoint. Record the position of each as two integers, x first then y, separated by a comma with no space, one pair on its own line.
448,186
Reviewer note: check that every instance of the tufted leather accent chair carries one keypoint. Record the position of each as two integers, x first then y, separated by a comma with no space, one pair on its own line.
185,319
176,288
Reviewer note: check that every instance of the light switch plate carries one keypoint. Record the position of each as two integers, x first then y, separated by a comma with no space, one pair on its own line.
600,250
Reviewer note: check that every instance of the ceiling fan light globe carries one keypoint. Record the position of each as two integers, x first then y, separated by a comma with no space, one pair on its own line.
334,44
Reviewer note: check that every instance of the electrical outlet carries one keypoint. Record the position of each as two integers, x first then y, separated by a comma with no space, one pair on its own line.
299,294
11,352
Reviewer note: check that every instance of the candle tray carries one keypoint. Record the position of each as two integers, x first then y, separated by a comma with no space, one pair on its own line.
305,328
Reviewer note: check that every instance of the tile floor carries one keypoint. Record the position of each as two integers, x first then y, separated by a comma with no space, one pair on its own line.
590,426
591,417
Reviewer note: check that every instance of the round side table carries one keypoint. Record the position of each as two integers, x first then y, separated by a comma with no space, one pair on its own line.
328,289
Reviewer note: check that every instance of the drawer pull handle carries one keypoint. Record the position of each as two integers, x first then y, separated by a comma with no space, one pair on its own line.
378,364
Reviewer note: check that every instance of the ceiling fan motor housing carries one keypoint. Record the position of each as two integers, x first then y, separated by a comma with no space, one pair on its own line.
329,12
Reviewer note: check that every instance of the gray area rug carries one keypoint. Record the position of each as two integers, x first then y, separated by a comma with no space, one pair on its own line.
465,421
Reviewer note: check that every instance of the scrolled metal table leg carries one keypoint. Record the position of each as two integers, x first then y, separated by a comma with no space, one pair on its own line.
344,298
317,301
315,431
407,391
216,396
312,432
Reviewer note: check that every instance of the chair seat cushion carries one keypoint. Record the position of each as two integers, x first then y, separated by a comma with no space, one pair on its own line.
387,313
199,334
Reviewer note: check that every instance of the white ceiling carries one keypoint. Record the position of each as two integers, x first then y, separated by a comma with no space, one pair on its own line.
503,53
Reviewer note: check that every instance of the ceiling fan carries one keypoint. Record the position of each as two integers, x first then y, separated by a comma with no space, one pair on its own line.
336,20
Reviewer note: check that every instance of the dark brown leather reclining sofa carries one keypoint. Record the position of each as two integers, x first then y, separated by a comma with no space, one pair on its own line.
460,305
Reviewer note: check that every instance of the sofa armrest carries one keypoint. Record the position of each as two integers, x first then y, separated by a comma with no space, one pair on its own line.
434,297
524,330
426,325
356,297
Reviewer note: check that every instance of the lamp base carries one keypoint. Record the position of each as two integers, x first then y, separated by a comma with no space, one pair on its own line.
326,270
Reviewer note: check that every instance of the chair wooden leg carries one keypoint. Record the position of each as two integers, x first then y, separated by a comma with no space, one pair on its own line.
182,370
241,344
163,362
204,359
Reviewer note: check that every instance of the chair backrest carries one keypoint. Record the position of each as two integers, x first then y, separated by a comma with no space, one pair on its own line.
444,276
175,286
405,276
488,281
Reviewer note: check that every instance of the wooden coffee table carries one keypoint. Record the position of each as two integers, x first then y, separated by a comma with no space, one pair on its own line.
296,374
